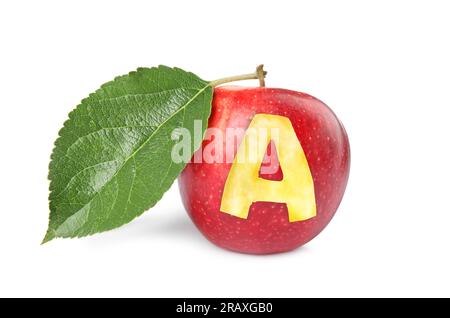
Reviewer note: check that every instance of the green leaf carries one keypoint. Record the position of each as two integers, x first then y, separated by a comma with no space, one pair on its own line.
112,159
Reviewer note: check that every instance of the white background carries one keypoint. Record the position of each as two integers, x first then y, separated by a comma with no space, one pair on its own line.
383,66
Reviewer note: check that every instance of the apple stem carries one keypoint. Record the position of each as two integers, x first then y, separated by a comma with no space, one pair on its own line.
261,74
258,74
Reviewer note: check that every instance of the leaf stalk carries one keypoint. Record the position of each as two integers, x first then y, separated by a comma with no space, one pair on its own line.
259,74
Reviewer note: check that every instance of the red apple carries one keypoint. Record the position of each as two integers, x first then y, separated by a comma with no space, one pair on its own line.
267,228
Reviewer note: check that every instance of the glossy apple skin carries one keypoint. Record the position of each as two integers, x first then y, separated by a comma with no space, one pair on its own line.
267,229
